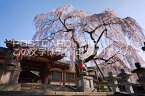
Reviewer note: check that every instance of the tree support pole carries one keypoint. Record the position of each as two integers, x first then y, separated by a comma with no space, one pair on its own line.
102,74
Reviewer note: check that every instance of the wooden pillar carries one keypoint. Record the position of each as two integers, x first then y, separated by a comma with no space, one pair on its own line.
64,76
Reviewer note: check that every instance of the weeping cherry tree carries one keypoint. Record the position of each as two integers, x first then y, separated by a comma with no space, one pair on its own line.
102,38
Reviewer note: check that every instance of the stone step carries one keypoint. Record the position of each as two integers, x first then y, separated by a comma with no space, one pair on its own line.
28,89
57,93
41,87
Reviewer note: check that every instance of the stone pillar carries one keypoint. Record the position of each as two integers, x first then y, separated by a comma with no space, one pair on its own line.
9,76
85,84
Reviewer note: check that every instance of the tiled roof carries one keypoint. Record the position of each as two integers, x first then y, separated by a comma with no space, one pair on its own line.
2,50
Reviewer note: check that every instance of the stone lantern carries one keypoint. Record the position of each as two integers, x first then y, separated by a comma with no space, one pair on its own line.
140,71
143,48
84,82
124,84
9,72
112,80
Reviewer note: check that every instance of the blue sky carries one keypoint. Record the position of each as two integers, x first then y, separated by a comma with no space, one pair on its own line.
16,16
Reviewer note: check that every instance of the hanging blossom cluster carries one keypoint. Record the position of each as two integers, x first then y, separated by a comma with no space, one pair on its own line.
91,36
